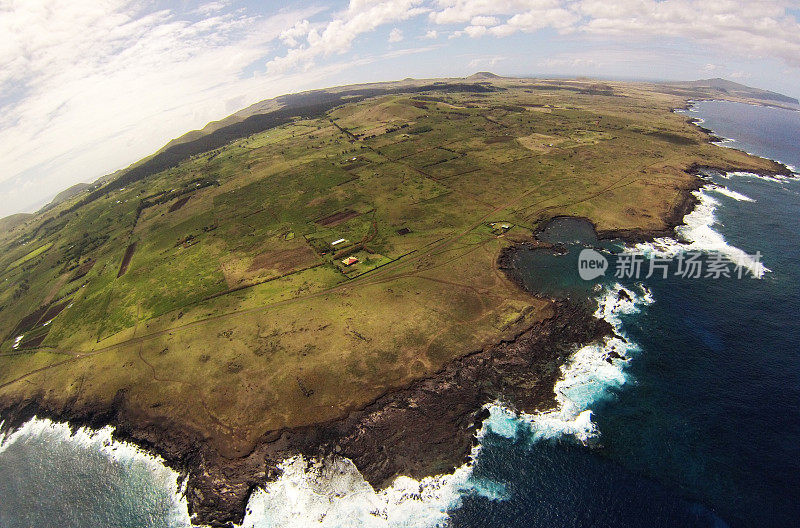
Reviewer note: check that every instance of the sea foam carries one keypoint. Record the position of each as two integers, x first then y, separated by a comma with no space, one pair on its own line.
699,234
765,177
588,376
739,197
332,493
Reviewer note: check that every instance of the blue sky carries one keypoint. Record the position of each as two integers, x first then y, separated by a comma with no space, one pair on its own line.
90,86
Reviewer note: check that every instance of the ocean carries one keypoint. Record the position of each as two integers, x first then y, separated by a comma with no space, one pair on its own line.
688,418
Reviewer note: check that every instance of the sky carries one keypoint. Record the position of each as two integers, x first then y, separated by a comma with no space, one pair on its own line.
89,86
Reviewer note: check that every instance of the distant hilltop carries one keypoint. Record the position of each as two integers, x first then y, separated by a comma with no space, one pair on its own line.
66,194
715,85
735,89
483,75
10,222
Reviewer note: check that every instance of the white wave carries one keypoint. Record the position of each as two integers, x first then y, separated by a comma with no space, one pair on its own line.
332,493
698,234
739,197
752,175
587,377
133,459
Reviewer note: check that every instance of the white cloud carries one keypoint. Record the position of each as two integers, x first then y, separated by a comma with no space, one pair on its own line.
211,7
475,31
757,28
395,35
486,12
502,18
87,87
485,62
484,21
536,19
337,35
300,29
753,28
431,34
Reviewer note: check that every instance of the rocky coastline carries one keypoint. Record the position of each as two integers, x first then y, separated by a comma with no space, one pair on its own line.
423,429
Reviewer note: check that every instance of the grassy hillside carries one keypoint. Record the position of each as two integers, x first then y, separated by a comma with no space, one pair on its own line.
10,222
214,291
68,194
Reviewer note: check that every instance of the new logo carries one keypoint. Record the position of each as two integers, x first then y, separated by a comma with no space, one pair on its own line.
591,264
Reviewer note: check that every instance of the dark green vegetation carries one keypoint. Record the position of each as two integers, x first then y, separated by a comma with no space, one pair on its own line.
205,286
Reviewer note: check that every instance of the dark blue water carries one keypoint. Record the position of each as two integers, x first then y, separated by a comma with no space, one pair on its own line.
707,430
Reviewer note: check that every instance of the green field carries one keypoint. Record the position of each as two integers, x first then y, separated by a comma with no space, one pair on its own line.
33,254
236,315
